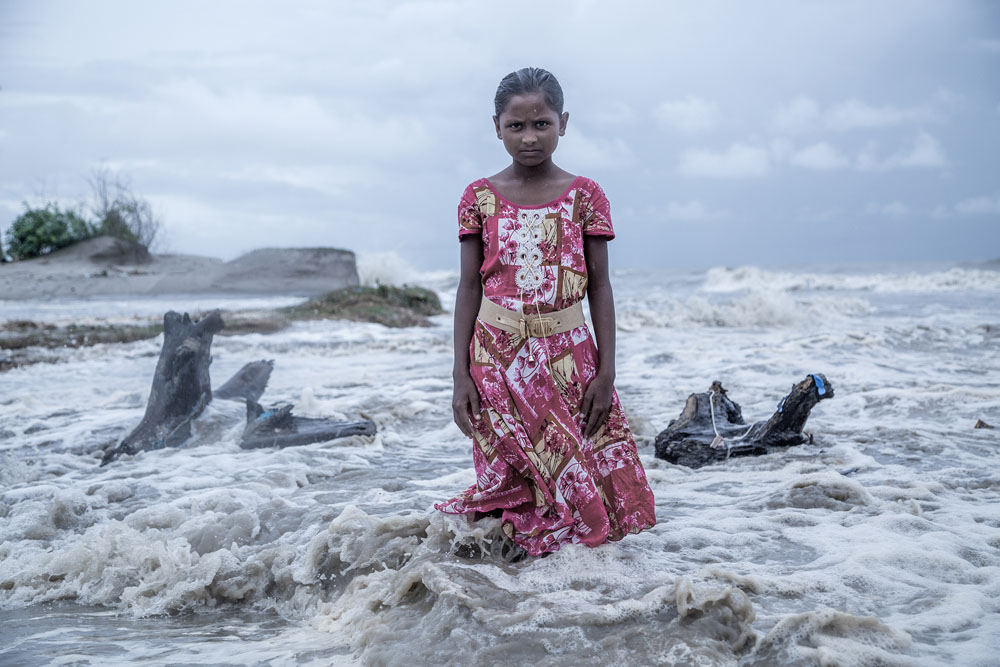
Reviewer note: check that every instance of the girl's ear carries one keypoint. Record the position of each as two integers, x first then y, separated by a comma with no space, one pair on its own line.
563,119
496,124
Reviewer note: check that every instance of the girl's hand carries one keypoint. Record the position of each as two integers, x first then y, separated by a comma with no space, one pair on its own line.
597,404
465,401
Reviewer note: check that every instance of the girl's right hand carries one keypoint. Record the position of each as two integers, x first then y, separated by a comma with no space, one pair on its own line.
465,401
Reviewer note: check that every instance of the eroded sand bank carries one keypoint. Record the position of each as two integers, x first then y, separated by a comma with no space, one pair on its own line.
105,266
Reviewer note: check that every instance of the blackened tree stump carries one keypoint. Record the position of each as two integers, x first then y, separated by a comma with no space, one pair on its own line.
181,385
711,426
182,388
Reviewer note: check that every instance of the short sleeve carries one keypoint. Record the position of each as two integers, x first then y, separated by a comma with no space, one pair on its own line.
595,214
470,219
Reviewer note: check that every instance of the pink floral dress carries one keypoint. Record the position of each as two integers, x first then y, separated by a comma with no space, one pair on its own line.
553,485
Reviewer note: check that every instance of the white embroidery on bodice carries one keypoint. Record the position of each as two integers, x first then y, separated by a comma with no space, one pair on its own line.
528,236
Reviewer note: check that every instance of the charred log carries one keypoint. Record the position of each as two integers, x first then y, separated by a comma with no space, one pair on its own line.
249,382
711,428
182,388
181,385
279,428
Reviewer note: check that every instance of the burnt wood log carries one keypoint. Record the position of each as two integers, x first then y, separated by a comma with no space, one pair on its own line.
711,426
248,383
279,428
181,385
182,388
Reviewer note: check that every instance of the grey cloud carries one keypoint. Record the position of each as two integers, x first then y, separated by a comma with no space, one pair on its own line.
739,160
924,152
689,115
984,205
804,114
820,155
692,211
894,209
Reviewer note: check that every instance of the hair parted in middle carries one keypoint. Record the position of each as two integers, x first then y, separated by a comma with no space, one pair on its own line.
529,80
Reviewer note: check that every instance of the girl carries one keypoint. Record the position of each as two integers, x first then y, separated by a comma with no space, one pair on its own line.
553,453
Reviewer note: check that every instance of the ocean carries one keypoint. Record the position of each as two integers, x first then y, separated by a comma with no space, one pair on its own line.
877,544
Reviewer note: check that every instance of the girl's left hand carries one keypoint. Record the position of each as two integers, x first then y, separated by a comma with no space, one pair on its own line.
597,404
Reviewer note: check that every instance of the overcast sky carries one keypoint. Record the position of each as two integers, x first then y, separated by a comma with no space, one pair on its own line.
723,133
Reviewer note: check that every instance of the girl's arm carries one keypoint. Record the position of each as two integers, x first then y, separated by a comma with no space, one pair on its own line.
465,399
597,399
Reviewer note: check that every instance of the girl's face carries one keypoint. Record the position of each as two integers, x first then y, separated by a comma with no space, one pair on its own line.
530,129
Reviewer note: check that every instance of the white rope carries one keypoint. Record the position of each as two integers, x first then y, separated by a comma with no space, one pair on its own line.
746,432
719,441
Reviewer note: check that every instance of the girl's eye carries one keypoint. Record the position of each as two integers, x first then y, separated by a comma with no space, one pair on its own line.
542,123
514,126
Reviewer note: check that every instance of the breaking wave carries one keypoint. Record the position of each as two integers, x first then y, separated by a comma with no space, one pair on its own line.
755,309
721,279
390,268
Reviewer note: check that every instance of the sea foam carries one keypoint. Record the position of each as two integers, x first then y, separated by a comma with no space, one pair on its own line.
876,544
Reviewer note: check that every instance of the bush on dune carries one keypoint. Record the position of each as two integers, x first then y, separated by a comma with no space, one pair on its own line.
39,231
117,211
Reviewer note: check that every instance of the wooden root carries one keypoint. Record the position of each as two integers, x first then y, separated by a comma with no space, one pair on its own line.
711,428
182,388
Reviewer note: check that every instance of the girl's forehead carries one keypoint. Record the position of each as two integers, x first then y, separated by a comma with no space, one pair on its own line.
532,103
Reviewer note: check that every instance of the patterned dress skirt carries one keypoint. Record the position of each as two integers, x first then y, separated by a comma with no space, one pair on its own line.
553,485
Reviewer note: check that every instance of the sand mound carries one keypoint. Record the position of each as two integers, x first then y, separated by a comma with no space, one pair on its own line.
293,271
100,266
312,270
103,250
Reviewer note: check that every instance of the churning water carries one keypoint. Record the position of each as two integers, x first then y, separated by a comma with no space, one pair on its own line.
879,544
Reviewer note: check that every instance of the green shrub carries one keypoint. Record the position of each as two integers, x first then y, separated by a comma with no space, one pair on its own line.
39,231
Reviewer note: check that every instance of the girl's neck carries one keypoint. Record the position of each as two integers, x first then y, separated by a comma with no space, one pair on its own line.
533,173
531,186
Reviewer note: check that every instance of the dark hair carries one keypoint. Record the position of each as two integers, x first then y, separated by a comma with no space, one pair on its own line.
529,80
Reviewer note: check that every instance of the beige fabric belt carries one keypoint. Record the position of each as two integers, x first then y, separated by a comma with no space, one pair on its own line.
535,326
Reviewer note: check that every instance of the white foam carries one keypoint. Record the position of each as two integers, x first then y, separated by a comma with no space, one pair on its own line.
390,268
755,309
722,279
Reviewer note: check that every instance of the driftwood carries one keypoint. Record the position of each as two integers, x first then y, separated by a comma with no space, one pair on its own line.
182,388
249,382
279,428
181,385
698,437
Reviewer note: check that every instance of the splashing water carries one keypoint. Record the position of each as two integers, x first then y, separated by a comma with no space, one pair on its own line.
877,545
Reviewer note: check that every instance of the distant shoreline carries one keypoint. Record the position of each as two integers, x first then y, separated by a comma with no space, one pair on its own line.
104,266
25,342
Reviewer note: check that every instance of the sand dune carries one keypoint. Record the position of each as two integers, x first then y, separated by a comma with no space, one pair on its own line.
107,266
